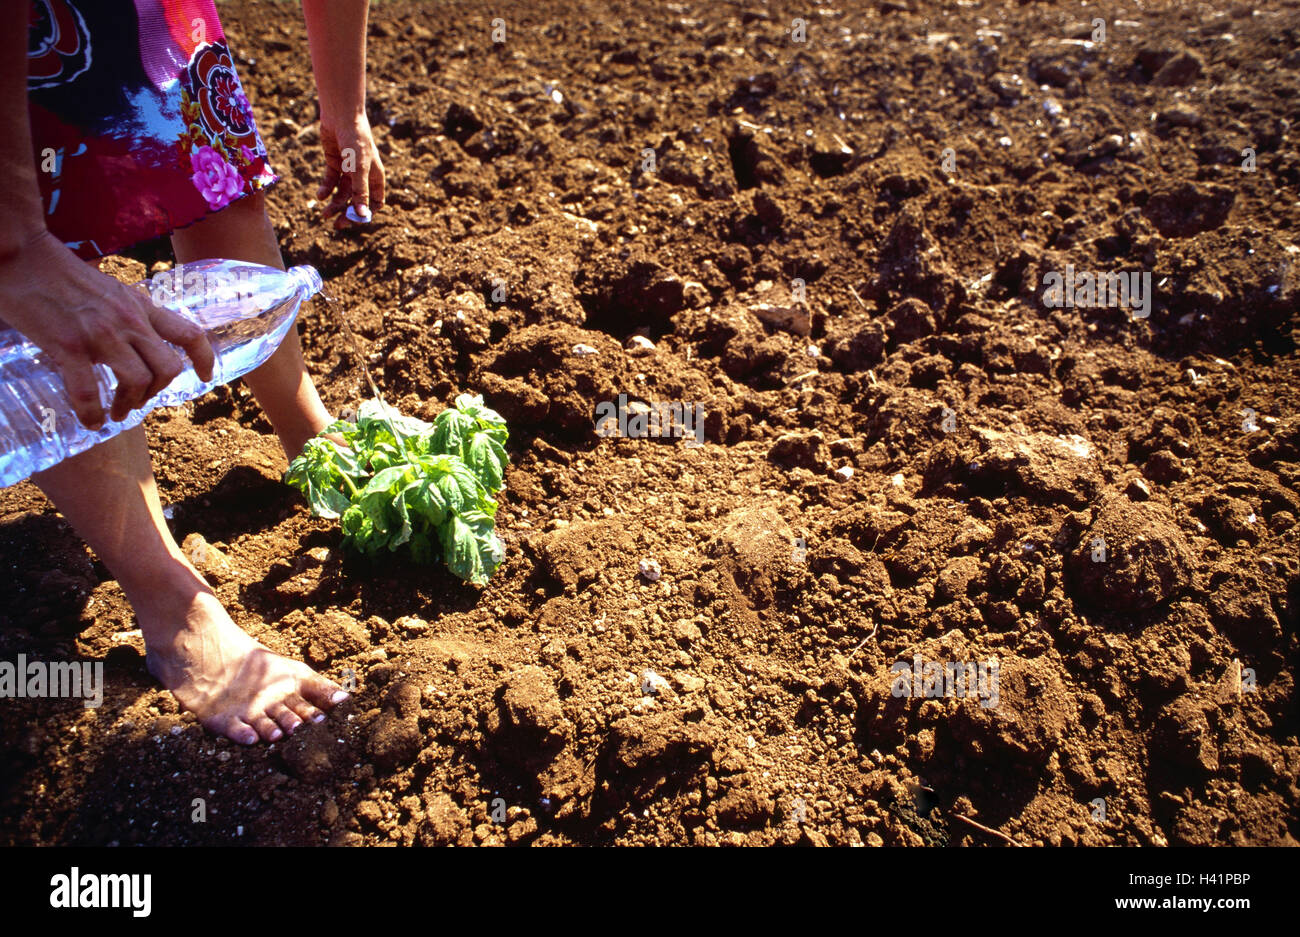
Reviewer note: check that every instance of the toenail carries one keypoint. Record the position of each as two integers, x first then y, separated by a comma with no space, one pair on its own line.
319,717
338,697
275,735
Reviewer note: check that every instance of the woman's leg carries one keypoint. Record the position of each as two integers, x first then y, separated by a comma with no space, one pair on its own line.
235,686
242,231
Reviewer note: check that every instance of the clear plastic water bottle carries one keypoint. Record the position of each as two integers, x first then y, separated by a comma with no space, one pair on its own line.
246,310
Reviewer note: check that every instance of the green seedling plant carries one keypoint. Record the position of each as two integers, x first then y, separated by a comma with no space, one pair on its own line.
401,482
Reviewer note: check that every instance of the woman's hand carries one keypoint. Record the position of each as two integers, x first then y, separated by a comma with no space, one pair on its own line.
354,173
81,317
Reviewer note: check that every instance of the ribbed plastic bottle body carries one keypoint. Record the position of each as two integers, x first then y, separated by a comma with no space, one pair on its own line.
245,309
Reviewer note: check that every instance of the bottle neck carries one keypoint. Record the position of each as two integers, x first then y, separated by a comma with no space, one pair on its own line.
306,278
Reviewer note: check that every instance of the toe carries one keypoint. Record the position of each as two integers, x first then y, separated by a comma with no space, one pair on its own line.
266,727
304,709
320,692
284,717
232,727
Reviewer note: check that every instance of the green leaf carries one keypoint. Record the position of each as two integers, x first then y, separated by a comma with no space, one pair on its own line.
487,459
341,428
425,499
386,481
451,493
473,406
352,520
328,502
459,488
470,549
378,507
491,549
385,454
421,444
449,432
373,412
359,538
404,530
318,472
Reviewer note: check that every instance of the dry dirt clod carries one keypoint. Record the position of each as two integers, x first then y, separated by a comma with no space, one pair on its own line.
215,566
1145,560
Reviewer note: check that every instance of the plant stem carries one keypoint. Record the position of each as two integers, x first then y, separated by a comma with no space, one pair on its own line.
352,489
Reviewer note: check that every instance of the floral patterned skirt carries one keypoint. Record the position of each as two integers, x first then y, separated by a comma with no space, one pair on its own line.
139,123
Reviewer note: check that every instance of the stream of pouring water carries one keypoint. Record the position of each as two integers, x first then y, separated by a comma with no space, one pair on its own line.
356,349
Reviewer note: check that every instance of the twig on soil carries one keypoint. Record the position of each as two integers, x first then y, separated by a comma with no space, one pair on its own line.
861,644
857,297
988,829
805,375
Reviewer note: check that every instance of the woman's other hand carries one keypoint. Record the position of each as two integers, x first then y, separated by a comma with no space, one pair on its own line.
354,173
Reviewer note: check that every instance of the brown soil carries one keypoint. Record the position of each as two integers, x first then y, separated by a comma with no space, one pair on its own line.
964,533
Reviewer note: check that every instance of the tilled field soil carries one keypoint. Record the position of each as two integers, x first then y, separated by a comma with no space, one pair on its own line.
836,237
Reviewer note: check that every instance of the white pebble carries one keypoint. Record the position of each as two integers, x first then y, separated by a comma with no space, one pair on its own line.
845,472
638,346
581,349
652,684
650,569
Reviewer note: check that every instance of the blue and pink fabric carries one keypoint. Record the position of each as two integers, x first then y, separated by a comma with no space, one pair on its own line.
139,123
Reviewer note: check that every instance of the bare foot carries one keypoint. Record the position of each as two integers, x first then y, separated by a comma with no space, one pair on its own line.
235,686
